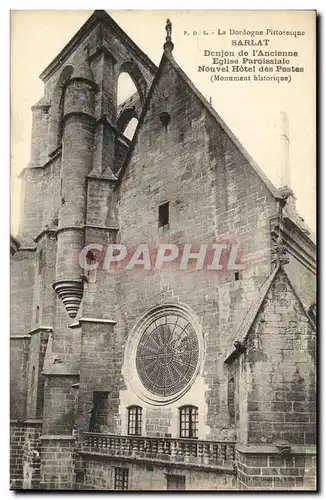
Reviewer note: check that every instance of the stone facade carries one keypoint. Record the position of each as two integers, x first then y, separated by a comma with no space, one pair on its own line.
75,332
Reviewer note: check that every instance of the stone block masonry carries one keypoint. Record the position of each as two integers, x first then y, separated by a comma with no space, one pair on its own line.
82,372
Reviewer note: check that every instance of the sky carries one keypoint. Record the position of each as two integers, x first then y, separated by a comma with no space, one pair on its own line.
251,109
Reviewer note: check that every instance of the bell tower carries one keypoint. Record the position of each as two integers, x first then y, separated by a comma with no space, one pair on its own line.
84,128
78,149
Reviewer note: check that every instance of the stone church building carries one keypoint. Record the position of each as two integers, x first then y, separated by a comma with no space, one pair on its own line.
145,378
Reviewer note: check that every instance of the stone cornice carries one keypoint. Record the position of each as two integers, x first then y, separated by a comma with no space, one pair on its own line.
271,449
78,114
55,232
154,461
59,437
99,321
26,421
17,337
40,329
27,249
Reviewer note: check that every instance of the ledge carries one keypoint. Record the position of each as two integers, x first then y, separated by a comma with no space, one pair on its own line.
86,226
59,437
27,421
40,329
162,463
93,176
273,450
27,249
27,336
79,322
102,228
33,421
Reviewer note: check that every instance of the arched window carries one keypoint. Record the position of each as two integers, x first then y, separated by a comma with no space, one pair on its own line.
128,99
188,422
126,88
57,108
134,420
130,128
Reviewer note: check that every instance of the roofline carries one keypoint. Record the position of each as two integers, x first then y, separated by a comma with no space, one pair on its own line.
270,186
245,327
140,122
98,16
168,56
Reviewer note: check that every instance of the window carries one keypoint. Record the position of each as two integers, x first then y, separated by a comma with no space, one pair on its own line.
99,411
134,420
163,214
120,478
33,376
231,400
175,482
41,262
189,422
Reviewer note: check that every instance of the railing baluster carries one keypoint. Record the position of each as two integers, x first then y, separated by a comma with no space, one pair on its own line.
215,453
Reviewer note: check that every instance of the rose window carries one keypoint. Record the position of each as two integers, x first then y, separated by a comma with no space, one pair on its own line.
167,355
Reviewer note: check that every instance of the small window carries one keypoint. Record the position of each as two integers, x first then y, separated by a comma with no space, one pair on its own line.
134,420
37,315
33,376
231,400
41,262
163,215
175,482
189,422
120,478
237,276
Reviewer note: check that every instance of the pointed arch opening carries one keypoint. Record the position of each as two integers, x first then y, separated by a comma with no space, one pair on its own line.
57,109
128,100
130,71
126,89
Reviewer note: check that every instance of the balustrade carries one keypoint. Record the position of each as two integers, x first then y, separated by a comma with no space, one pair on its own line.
212,453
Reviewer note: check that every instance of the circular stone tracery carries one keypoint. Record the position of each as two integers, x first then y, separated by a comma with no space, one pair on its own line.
167,355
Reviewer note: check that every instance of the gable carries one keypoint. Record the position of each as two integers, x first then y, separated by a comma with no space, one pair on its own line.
278,308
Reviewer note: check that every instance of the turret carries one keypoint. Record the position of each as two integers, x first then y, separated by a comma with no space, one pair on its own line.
77,159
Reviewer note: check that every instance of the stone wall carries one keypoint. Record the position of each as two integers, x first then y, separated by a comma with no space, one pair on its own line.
264,469
25,454
281,365
99,475
212,190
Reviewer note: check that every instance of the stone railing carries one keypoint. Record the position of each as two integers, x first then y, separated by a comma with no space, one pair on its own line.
210,453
